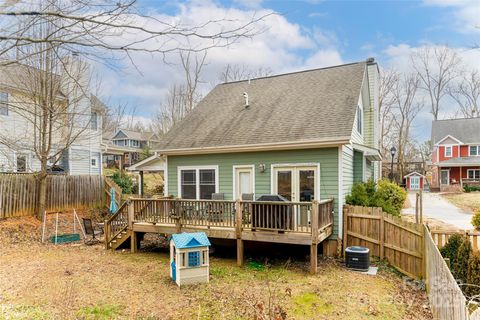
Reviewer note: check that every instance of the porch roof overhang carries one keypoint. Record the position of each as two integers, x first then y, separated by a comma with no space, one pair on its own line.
118,150
472,161
153,163
371,154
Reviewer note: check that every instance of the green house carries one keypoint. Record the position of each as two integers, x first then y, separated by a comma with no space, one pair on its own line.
303,135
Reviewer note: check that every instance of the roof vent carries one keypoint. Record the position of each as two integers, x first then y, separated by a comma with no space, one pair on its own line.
245,95
370,60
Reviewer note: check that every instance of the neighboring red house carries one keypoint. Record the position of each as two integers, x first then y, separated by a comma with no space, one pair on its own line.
414,181
456,153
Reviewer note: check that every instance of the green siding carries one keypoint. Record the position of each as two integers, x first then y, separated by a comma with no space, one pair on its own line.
357,166
327,157
347,169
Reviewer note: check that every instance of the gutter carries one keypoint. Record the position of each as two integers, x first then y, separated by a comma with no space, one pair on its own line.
294,145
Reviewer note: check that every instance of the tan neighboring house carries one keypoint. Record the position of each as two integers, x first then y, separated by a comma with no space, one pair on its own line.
124,148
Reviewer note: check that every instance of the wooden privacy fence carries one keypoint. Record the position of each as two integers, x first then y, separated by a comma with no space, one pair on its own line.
446,298
388,237
19,193
440,237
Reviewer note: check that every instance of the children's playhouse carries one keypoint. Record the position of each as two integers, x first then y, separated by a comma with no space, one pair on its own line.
189,261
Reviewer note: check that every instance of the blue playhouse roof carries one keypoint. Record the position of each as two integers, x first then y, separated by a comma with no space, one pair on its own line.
190,240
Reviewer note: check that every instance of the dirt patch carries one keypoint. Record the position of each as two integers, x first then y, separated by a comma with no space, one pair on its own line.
467,201
431,222
87,282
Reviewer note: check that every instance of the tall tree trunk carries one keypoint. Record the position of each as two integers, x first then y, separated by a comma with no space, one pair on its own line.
42,190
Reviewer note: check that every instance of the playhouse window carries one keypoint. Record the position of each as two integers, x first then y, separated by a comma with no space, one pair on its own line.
182,259
194,259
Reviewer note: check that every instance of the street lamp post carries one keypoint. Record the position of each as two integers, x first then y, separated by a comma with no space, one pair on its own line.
392,152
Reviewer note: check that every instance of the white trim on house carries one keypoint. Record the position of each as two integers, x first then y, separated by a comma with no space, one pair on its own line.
447,137
234,169
445,151
414,173
293,166
468,173
478,150
165,178
340,190
197,178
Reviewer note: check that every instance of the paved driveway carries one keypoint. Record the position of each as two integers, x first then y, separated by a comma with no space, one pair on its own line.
434,206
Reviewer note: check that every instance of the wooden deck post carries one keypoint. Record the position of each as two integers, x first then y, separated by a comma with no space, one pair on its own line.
131,214
314,246
238,231
133,241
178,215
106,232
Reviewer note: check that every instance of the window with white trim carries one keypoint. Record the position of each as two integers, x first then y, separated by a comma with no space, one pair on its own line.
94,162
473,173
359,119
94,121
474,150
448,151
3,104
198,183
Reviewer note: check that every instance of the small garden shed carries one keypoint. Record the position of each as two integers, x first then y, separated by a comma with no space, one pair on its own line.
414,181
189,262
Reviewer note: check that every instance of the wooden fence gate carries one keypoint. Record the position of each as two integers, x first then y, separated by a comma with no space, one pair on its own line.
388,237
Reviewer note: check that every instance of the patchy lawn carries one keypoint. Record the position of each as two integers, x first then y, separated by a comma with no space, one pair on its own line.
87,282
467,201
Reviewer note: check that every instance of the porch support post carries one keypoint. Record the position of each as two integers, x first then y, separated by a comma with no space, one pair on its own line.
140,185
238,231
314,246
461,178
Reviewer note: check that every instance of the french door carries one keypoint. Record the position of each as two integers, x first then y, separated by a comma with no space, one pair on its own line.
297,184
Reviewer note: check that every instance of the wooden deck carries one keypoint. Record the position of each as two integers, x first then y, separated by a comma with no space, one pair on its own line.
303,223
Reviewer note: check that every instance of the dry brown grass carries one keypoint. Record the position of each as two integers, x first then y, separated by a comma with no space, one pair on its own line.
77,281
467,201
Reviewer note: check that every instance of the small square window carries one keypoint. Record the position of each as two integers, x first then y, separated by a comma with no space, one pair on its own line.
474,151
93,162
194,259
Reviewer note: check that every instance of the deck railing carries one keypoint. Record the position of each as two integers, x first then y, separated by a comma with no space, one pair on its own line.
298,217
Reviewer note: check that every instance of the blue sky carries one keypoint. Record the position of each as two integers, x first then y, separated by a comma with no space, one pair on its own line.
305,34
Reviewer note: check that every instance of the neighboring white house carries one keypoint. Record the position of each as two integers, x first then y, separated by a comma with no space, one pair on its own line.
82,157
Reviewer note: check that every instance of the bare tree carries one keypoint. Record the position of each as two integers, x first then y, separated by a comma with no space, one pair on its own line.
467,93
406,109
388,81
181,98
98,29
436,68
237,72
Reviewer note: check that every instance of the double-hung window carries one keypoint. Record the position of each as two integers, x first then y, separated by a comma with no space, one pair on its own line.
473,173
359,119
448,151
475,150
94,121
3,104
198,183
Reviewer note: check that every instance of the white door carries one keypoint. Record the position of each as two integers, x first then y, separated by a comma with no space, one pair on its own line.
414,183
244,181
297,184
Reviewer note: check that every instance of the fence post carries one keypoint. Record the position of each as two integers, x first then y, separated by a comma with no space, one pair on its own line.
421,206
346,210
107,233
314,245
382,235
238,231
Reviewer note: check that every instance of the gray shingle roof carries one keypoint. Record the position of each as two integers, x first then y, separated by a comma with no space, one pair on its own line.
309,105
472,160
465,130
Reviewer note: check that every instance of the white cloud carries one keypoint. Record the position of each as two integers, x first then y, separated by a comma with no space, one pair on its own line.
465,12
281,48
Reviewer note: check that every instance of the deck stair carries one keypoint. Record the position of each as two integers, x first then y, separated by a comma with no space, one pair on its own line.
120,239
